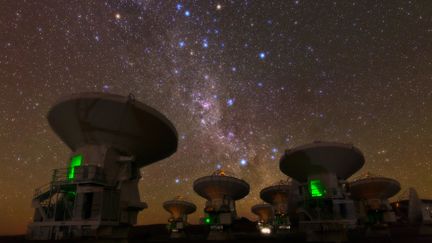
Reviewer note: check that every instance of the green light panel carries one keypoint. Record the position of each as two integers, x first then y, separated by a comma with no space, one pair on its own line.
76,161
316,188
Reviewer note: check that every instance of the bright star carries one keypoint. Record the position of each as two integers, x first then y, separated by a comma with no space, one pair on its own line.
262,55
243,162
117,16
218,7
181,44
230,102
205,43
187,13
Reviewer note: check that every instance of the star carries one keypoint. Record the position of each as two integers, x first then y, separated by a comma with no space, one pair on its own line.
230,102
205,43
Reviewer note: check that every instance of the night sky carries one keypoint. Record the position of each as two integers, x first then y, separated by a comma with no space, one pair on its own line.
241,81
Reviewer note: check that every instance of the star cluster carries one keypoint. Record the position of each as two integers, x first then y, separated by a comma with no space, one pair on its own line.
241,80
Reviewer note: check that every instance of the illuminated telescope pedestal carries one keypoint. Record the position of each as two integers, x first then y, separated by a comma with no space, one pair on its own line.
221,192
265,214
179,210
111,138
326,211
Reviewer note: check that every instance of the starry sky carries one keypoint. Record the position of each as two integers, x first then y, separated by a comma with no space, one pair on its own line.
241,81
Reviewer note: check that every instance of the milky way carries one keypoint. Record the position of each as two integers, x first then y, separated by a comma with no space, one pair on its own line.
241,80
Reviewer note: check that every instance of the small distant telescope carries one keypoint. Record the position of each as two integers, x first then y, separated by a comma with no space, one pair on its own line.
283,197
221,192
179,210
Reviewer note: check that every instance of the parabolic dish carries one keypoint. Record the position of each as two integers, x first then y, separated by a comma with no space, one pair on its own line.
264,211
179,207
125,124
374,188
321,157
276,194
219,187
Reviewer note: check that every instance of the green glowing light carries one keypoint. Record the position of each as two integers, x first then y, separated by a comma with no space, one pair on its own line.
316,188
76,161
207,220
